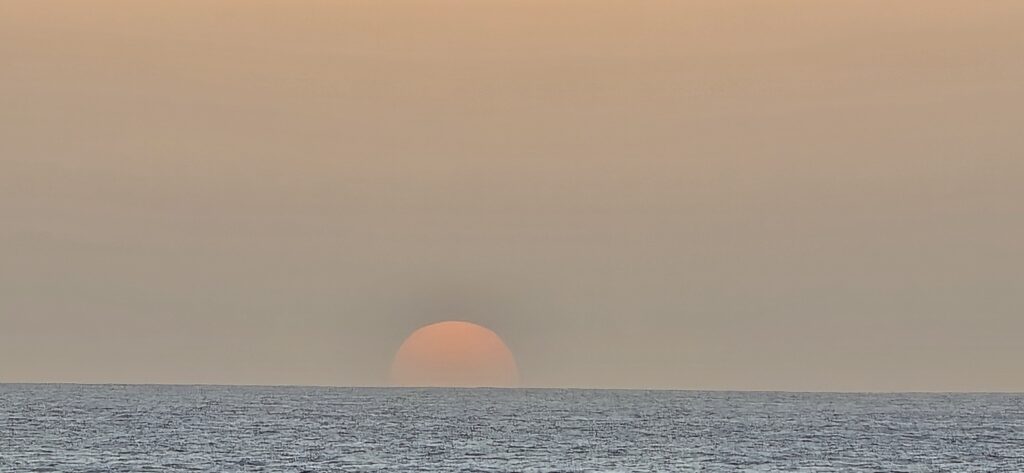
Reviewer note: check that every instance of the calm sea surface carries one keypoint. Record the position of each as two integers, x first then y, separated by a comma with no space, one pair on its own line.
71,428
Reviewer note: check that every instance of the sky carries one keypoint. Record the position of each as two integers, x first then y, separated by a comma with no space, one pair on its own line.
751,195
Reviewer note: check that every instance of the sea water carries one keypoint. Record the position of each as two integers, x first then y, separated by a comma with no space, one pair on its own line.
116,428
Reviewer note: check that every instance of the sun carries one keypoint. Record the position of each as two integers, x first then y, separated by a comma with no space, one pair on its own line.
454,354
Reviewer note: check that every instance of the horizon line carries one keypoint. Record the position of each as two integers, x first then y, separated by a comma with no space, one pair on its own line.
496,388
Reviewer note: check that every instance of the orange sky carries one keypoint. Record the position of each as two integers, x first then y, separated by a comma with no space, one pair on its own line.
796,195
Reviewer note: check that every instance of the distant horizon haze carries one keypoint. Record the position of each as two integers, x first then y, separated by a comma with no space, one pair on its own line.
797,196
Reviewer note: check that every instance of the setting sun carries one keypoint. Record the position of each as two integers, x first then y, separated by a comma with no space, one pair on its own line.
454,353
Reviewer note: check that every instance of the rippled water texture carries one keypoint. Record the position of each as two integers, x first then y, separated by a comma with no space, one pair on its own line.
74,428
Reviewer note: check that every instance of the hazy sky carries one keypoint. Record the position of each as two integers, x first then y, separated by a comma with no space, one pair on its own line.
795,195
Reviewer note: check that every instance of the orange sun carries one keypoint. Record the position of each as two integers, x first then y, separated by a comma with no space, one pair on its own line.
455,354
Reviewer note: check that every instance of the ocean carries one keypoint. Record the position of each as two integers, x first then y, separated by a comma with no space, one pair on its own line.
143,428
